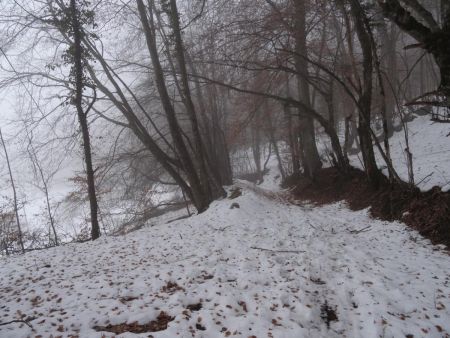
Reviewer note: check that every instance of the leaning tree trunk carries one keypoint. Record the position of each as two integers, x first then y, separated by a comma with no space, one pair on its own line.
82,118
213,134
207,175
201,196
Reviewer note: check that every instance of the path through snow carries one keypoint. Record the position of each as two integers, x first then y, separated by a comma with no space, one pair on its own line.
266,269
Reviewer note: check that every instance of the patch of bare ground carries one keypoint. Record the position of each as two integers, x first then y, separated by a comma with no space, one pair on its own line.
328,314
428,212
171,288
159,324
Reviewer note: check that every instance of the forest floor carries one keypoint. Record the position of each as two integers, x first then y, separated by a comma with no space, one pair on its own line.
425,211
264,264
259,265
429,142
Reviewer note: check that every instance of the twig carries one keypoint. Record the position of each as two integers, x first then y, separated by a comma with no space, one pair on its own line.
277,251
367,228
16,321
220,229
423,179
312,226
179,260
178,218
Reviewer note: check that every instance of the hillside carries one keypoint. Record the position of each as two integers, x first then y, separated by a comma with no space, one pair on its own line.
429,143
222,169
268,268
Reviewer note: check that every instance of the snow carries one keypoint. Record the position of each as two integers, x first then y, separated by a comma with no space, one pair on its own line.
264,269
430,145
272,179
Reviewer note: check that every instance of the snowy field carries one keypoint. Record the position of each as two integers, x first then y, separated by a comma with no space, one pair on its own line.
269,268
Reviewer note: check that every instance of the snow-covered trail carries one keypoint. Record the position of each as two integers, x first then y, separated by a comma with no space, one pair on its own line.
265,269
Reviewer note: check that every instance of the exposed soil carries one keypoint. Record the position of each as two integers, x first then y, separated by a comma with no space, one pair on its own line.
171,288
160,324
194,307
428,212
328,314
235,193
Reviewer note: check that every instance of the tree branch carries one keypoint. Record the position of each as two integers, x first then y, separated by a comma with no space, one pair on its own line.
394,11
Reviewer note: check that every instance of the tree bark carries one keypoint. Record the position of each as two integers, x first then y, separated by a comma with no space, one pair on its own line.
271,133
82,118
256,147
389,61
213,134
431,37
365,99
311,158
208,177
201,198
170,164
292,132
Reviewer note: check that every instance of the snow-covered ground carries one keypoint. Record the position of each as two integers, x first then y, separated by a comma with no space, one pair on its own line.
265,269
430,145
268,268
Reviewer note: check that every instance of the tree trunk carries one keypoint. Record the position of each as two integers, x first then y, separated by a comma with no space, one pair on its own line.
311,158
271,133
209,180
431,37
201,198
292,133
220,143
389,61
47,199
347,136
13,186
365,99
213,135
82,118
377,64
171,165
256,149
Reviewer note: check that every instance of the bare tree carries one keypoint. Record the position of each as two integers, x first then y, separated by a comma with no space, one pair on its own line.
44,186
311,159
203,184
69,22
414,19
13,186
